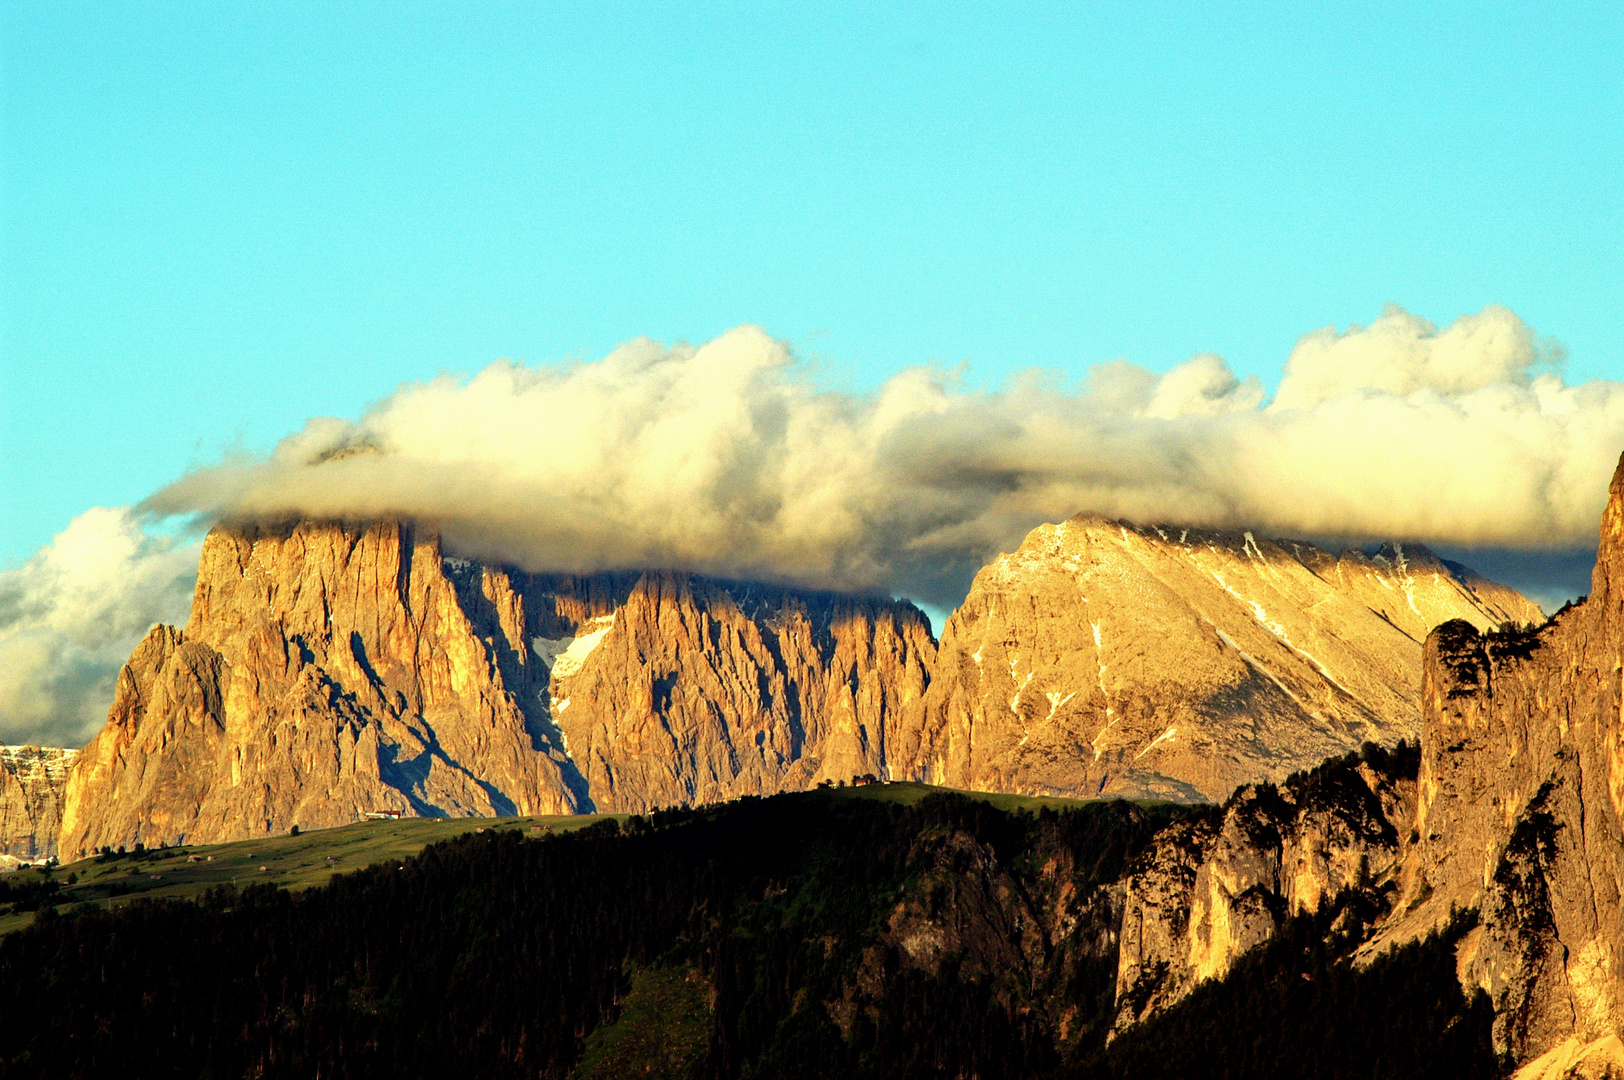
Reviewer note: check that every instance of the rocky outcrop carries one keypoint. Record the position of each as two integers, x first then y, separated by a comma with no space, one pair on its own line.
1516,814
1213,887
330,671
1104,658
1520,815
32,780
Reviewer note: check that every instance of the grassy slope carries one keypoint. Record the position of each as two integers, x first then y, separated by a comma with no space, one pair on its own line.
309,859
293,862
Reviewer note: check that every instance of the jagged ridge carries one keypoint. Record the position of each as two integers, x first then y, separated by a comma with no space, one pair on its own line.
1104,658
329,671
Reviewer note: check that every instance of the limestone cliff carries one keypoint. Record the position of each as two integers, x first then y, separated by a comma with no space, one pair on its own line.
32,779
331,671
1104,658
1519,811
1516,813
1210,888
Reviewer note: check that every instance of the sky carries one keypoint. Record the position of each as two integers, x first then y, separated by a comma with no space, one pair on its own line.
220,223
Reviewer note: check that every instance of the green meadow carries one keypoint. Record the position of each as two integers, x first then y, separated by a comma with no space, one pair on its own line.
310,858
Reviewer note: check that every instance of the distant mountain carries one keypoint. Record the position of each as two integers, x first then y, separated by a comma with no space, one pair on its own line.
329,671
1106,658
1510,817
32,782
1448,907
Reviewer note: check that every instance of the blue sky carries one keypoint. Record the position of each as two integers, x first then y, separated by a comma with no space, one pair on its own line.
219,220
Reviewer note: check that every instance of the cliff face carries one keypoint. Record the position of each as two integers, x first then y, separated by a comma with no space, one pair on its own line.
32,780
699,691
1521,798
1103,658
331,671
1211,888
1516,812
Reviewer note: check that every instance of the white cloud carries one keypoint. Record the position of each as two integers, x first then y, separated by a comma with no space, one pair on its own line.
1401,353
70,616
725,459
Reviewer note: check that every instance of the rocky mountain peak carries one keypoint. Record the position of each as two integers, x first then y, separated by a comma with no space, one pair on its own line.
1512,812
330,670
32,781
1103,657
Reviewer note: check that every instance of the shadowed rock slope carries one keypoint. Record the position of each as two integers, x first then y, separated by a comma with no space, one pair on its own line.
1104,658
329,671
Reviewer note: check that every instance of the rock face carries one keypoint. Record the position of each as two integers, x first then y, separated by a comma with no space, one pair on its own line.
688,690
1516,812
1521,815
327,672
32,780
1104,658
1211,888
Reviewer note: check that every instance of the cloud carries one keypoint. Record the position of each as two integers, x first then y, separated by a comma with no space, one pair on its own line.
1402,353
70,616
724,458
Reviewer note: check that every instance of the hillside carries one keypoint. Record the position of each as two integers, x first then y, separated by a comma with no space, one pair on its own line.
828,934
311,858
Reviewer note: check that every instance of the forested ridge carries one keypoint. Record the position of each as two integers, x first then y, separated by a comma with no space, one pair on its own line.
821,936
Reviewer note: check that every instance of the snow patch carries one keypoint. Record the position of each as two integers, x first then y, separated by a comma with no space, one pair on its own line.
29,762
1323,670
564,656
1273,627
1166,736
1251,660
1110,722
1015,702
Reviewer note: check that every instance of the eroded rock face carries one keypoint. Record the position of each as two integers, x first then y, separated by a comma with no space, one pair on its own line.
32,781
1211,888
1520,802
1516,812
332,671
1103,658
700,690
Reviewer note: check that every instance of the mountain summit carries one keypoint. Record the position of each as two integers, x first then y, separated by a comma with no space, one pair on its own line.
329,671
1106,658
333,671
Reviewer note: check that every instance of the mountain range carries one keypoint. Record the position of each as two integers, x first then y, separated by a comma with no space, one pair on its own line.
331,671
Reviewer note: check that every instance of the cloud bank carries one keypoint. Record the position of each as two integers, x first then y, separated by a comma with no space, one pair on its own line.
725,458
70,616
